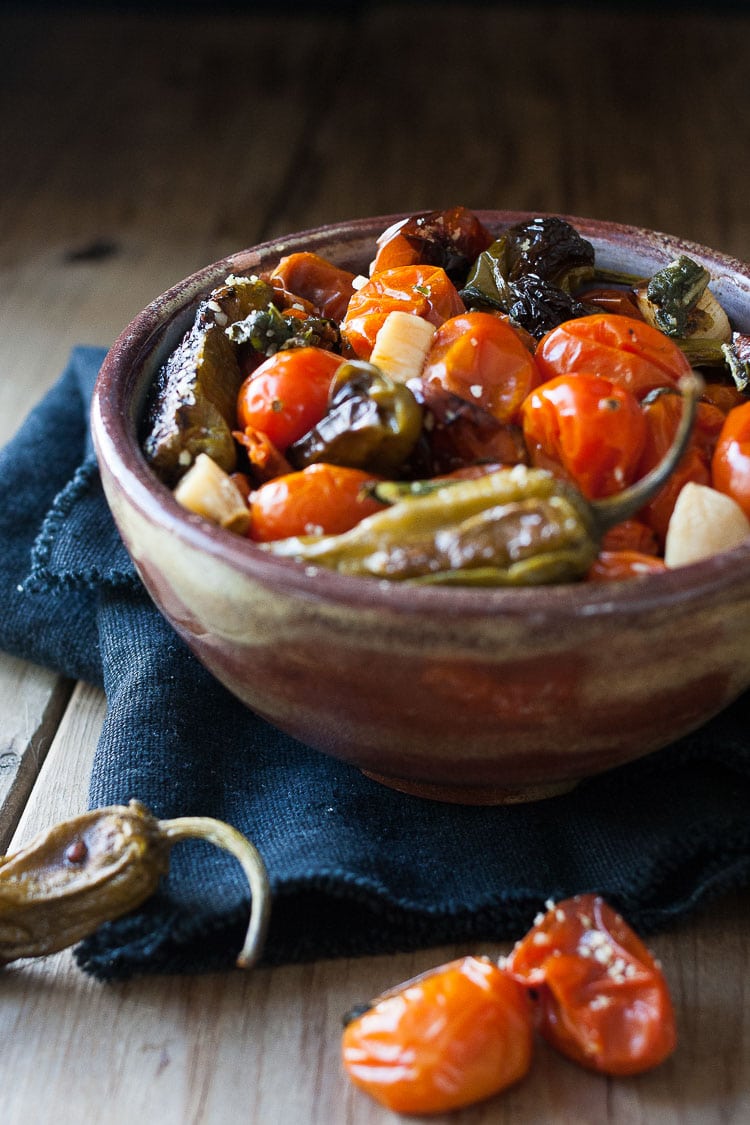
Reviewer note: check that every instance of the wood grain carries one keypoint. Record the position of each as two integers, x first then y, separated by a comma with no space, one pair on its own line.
139,146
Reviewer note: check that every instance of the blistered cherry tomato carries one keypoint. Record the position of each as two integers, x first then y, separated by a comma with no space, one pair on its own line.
662,412
447,1039
614,566
328,288
730,467
453,239
624,350
288,394
587,429
481,358
631,535
602,999
421,289
322,499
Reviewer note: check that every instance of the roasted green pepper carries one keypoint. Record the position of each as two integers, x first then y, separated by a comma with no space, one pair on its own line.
510,527
93,868
193,401
372,423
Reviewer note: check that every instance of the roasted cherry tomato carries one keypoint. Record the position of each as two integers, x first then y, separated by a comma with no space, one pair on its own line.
619,301
631,535
287,394
453,239
481,358
328,288
730,467
587,429
602,999
422,289
447,1039
613,566
624,350
319,500
723,395
662,412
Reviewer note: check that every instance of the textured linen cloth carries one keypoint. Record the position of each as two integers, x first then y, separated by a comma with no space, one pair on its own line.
355,868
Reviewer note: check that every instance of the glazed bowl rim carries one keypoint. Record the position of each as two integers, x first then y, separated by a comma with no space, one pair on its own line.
115,415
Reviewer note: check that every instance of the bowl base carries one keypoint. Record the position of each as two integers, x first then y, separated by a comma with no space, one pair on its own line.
474,794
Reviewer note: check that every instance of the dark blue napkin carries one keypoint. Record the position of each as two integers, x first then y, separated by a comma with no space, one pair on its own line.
354,867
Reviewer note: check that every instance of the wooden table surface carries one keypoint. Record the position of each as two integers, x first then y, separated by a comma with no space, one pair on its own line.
139,146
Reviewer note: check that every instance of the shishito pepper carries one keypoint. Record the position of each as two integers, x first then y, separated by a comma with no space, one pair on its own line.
511,527
69,880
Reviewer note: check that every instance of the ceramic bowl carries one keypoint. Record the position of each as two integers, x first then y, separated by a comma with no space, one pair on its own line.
471,695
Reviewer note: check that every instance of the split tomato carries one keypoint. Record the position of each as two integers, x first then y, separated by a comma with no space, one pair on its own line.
587,429
481,358
731,458
453,239
327,287
423,290
288,394
602,999
624,350
450,1038
322,499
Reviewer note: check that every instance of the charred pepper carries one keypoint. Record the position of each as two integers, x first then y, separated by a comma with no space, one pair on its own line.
511,527
67,881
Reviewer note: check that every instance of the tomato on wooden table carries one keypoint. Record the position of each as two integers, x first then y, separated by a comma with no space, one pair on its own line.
626,351
327,287
423,290
587,429
480,357
601,997
322,499
454,1036
730,466
288,394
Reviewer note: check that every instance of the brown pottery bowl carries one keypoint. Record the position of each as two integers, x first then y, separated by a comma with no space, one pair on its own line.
474,695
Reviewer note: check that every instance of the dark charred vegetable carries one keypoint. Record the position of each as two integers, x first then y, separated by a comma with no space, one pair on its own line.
372,423
532,269
511,527
267,331
234,300
67,881
457,433
192,407
540,306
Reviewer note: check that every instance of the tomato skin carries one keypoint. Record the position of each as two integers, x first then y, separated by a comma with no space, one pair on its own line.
453,239
622,349
730,465
481,358
587,429
328,288
321,499
615,566
288,394
423,290
453,1037
602,999
662,415
631,535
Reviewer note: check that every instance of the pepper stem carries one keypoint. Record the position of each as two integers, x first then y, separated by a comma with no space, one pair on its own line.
224,836
621,505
